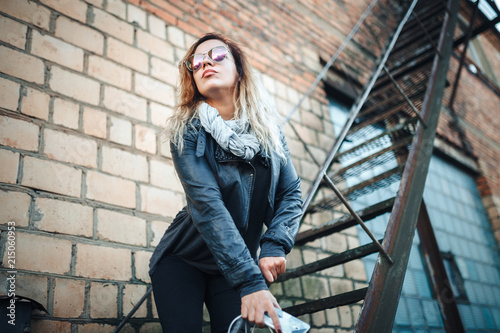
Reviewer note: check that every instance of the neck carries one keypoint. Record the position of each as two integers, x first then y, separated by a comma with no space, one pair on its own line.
225,107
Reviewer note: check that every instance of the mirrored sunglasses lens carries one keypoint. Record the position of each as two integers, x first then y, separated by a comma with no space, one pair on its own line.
195,61
218,53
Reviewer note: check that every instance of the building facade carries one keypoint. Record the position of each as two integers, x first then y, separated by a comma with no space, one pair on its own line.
87,180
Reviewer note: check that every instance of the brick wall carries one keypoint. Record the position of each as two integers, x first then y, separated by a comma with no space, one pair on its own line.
85,88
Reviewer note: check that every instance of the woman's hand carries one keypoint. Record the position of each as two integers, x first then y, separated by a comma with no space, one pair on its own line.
255,304
272,267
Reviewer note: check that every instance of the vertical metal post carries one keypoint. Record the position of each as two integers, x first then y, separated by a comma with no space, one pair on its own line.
381,303
434,264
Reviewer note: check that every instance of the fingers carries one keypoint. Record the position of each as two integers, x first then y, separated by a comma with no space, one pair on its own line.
272,267
276,321
255,304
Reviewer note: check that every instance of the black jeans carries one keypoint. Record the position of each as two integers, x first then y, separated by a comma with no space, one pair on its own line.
180,290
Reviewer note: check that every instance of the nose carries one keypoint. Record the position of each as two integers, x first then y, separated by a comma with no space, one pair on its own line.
207,60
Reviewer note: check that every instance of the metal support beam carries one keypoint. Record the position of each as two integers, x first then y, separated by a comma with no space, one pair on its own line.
439,279
382,299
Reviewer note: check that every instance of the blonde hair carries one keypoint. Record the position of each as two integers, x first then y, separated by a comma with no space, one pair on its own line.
251,100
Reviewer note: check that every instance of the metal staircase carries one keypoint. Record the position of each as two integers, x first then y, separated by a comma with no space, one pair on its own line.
389,135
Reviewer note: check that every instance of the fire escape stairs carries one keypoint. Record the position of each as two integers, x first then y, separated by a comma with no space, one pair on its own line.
390,133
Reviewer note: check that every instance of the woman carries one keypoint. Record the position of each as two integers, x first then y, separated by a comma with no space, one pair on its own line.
234,165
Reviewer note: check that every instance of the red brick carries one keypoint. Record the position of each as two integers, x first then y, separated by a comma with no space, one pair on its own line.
70,148
127,55
125,103
102,262
69,298
132,293
28,11
13,33
10,166
94,122
9,94
110,72
74,85
21,65
75,8
15,207
42,254
113,26
51,176
116,227
103,300
125,164
66,113
18,133
36,104
158,201
64,217
79,35
117,191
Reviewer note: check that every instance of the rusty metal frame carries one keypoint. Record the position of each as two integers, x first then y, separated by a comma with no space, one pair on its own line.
382,299
439,280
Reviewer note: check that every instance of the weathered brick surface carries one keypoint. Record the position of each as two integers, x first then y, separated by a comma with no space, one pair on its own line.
141,263
103,300
103,262
79,35
69,298
10,165
116,227
125,103
127,55
36,103
18,133
145,139
42,253
70,148
21,65
118,191
15,207
28,11
13,33
64,217
120,131
51,176
161,202
76,9
113,26
125,164
66,113
32,286
57,51
154,90
74,85
9,94
110,72
94,122
163,175
132,293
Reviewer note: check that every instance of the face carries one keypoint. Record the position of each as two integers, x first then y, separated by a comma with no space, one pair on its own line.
215,78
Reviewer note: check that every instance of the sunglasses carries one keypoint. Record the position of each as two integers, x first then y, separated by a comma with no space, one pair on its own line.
216,54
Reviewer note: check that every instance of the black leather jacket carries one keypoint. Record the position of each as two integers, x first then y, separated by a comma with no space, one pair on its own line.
218,187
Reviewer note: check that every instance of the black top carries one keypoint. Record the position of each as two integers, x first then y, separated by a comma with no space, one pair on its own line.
193,249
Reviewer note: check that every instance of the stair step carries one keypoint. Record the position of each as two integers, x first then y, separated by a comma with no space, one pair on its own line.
343,223
331,261
327,303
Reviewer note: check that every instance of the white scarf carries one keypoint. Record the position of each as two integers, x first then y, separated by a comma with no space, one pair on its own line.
232,135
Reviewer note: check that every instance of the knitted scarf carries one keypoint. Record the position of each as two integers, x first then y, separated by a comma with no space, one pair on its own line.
232,135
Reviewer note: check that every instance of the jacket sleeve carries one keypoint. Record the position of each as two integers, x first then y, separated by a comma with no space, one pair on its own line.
213,220
279,238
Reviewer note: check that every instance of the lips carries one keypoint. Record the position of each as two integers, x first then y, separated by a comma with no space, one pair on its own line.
208,72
